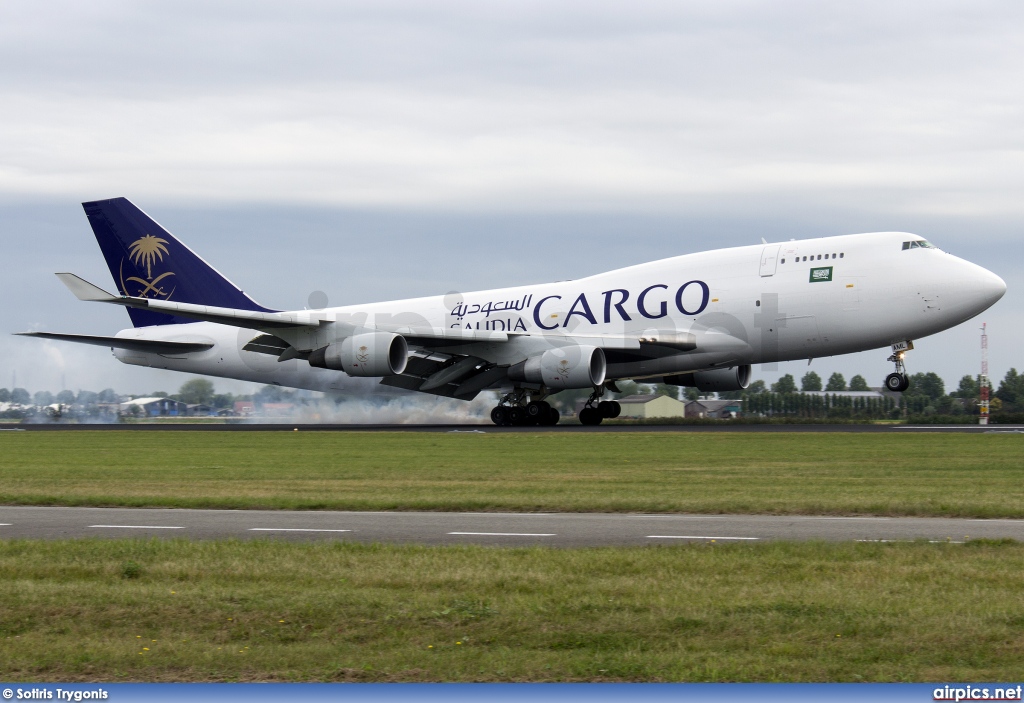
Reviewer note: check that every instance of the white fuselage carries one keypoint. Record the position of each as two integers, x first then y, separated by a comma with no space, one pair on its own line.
756,304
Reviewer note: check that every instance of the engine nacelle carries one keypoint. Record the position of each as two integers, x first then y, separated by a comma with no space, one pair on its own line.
578,366
366,354
735,378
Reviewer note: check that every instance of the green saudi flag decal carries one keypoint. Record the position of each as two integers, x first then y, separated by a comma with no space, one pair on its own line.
823,273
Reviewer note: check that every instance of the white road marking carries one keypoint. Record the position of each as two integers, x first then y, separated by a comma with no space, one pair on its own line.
5,524
505,534
683,517
141,527
843,518
695,537
291,529
976,428
503,514
931,541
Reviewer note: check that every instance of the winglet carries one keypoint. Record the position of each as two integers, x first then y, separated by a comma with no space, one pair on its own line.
84,290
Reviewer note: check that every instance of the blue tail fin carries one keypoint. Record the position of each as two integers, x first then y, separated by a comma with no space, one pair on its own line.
147,261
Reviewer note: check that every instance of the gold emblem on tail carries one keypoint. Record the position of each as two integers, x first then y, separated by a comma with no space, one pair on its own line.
147,251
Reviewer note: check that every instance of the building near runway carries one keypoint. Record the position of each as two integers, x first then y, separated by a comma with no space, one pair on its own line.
863,395
714,409
663,406
154,407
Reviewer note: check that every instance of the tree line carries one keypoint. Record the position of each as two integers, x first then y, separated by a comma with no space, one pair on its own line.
926,398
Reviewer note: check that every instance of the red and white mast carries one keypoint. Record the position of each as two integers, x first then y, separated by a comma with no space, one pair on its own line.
983,400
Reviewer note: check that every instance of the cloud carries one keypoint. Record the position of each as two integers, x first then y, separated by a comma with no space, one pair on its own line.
477,107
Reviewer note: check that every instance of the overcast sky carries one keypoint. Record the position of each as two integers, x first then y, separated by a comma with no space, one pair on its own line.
388,149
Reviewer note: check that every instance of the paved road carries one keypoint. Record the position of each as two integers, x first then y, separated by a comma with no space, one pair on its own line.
568,426
549,529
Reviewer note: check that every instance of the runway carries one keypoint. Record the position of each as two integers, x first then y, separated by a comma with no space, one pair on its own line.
568,426
495,529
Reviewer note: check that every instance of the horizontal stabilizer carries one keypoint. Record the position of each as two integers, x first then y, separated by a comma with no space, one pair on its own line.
84,290
154,346
250,319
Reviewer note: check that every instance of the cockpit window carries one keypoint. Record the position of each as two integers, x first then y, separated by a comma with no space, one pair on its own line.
918,244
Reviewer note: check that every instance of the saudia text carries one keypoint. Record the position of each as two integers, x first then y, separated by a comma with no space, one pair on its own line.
619,303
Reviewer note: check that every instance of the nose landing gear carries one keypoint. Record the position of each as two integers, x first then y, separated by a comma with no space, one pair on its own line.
898,381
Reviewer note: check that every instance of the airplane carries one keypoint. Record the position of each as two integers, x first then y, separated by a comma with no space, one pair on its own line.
698,320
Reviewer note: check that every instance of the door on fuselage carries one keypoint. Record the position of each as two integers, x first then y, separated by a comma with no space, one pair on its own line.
769,259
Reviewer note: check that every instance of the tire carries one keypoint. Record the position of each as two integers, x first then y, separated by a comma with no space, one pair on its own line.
517,416
590,416
609,409
553,417
896,382
499,416
537,410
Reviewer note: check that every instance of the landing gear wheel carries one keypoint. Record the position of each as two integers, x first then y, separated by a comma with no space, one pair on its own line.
609,409
897,382
894,382
516,416
499,416
537,410
590,416
552,419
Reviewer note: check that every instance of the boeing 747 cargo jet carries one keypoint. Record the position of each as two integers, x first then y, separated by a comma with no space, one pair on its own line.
695,320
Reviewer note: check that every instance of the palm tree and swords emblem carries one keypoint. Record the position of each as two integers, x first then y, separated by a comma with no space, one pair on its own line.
147,251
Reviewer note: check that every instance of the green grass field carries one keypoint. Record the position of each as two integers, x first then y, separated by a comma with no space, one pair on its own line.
794,473
130,610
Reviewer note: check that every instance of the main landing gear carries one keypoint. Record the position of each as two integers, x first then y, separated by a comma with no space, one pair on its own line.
898,381
592,414
515,411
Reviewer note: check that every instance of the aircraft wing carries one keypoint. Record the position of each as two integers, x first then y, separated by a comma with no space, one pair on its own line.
139,345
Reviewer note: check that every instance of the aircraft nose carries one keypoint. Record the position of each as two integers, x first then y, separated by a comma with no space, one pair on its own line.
986,287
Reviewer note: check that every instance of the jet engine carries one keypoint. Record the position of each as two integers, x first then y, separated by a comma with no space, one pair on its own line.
580,366
366,354
735,378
